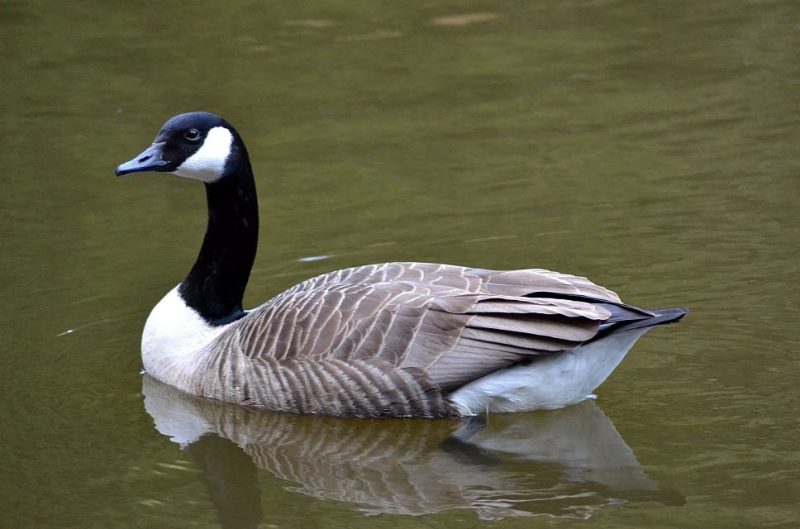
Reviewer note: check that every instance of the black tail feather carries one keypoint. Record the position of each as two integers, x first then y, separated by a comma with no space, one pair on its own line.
624,317
658,317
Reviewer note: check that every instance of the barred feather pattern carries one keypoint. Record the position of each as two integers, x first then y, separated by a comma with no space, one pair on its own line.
394,339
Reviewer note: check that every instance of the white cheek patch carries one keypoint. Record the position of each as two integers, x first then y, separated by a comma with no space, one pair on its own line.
208,163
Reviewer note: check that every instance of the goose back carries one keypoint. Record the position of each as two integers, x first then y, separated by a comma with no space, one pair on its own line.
395,339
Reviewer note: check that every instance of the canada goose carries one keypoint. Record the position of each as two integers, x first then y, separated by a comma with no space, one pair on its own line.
382,340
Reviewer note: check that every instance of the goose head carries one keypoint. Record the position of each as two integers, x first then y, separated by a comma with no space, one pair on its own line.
197,145
203,146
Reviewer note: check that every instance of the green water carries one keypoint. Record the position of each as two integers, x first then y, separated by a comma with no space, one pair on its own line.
650,146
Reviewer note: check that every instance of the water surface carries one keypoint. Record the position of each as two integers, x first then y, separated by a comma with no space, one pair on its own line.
650,147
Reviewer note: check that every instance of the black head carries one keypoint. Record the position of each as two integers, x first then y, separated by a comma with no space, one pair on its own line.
195,145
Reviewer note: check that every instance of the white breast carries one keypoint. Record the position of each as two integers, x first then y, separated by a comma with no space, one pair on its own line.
174,341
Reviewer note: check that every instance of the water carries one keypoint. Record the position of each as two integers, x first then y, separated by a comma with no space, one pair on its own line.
652,148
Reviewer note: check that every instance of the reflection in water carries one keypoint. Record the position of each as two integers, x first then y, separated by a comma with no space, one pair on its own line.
564,463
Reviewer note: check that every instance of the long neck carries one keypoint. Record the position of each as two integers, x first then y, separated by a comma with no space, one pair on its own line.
215,286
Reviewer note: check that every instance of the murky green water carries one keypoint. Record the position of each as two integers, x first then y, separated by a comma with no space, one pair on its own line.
652,147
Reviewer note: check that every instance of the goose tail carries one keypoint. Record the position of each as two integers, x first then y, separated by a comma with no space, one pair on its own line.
653,319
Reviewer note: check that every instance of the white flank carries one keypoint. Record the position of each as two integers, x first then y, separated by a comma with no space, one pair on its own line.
548,383
174,341
208,163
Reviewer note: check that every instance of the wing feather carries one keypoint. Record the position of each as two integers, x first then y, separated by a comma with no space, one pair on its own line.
451,324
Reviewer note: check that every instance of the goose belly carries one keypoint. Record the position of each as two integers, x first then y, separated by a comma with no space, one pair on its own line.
547,383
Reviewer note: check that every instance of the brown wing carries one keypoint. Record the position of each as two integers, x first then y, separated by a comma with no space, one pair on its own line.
450,323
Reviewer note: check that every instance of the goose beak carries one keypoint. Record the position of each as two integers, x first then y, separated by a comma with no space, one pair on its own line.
149,160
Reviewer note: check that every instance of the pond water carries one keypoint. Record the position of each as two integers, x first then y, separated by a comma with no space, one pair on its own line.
651,147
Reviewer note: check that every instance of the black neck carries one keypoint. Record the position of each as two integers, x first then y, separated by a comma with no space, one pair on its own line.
215,286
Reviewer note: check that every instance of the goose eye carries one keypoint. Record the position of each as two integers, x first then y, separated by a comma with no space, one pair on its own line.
192,134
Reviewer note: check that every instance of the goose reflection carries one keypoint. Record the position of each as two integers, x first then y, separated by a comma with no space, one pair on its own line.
564,463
